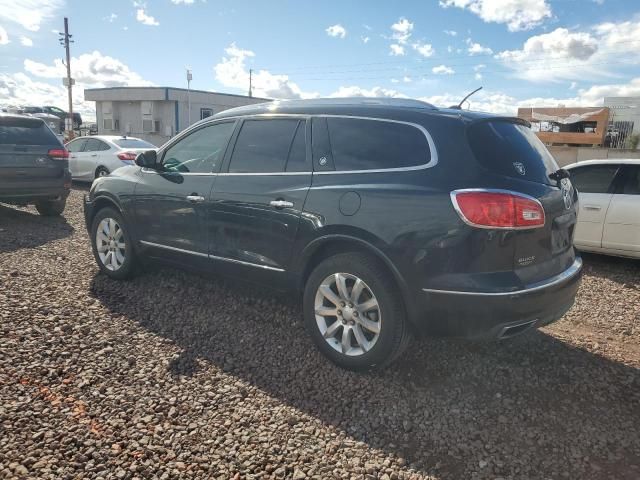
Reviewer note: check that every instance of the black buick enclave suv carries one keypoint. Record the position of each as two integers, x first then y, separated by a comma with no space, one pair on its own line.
391,217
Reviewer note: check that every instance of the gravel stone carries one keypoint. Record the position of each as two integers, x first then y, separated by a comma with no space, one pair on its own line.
179,375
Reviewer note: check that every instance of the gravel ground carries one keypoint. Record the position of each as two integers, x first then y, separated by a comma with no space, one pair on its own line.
172,375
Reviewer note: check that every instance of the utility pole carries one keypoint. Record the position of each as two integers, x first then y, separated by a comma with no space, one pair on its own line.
250,81
189,78
65,40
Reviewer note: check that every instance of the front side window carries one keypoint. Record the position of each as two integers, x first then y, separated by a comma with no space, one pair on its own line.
362,144
631,185
76,145
593,178
263,146
201,151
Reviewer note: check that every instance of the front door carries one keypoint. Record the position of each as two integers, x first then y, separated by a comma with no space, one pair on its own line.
256,203
171,201
622,224
595,189
75,148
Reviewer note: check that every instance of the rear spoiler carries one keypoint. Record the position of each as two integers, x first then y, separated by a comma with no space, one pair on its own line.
517,120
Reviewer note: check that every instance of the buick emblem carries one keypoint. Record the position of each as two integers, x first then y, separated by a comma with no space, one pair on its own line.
322,161
565,186
519,168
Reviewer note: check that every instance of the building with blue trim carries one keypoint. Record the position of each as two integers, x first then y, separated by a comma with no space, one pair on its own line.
156,114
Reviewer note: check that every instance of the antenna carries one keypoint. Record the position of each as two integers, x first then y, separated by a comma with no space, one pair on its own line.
458,107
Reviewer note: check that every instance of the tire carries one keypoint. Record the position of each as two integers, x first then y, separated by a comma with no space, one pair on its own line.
388,318
51,208
101,172
114,261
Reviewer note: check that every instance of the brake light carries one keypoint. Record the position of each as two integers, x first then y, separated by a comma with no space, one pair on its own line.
124,156
58,153
498,209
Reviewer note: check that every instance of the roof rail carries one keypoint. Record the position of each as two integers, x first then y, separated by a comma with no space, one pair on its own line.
382,101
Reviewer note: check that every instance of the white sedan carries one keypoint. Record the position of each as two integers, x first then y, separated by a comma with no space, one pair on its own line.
609,206
99,155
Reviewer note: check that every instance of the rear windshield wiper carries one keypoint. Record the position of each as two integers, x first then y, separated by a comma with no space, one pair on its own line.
559,174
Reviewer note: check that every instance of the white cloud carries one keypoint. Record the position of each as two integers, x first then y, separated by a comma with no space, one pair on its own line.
478,76
4,37
516,14
232,72
474,48
336,30
396,50
443,70
406,79
401,30
111,18
573,85
182,2
451,33
355,91
424,49
93,69
365,40
562,55
501,103
26,41
30,14
146,19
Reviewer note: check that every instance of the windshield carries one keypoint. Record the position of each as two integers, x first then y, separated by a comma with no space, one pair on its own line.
133,143
511,149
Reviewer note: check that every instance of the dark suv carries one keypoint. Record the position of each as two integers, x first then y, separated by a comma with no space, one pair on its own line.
34,165
392,217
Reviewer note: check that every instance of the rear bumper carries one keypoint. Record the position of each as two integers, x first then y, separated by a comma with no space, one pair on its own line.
483,315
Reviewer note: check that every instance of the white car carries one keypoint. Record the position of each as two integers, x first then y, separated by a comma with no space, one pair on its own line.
609,206
99,155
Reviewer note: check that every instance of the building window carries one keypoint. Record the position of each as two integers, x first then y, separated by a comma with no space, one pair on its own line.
107,123
205,112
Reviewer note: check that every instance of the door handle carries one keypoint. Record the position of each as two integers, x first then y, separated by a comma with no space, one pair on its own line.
195,198
592,207
94,154
280,203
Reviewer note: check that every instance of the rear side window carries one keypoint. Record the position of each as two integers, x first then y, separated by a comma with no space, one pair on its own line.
95,145
297,161
133,143
361,144
263,146
76,145
511,149
18,131
593,178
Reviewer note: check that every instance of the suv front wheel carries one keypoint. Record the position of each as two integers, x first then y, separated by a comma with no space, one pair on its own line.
354,312
112,245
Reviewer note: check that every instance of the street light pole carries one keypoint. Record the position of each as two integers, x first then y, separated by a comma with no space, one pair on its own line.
65,40
189,78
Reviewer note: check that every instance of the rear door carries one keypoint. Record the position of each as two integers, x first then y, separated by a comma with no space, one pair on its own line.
622,222
91,157
256,203
25,166
509,149
595,184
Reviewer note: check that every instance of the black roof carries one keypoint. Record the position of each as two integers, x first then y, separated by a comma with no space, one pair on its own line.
374,106
25,119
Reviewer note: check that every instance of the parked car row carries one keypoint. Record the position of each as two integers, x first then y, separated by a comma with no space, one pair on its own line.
48,110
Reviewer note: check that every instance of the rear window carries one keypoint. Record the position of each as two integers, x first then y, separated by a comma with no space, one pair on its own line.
25,131
359,144
511,149
593,178
133,143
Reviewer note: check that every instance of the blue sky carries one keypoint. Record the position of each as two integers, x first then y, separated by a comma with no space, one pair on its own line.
524,52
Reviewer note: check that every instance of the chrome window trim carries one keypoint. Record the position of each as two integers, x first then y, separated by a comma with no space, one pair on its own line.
433,161
456,206
568,274
212,257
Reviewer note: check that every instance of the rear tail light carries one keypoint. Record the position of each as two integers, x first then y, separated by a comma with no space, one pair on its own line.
124,156
58,153
498,209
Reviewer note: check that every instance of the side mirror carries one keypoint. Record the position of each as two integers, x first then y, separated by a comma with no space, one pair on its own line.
148,159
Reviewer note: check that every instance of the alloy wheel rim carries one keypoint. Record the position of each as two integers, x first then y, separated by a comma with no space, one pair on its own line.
347,314
111,244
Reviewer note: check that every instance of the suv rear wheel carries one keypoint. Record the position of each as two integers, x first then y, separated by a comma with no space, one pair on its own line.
51,208
112,245
354,312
